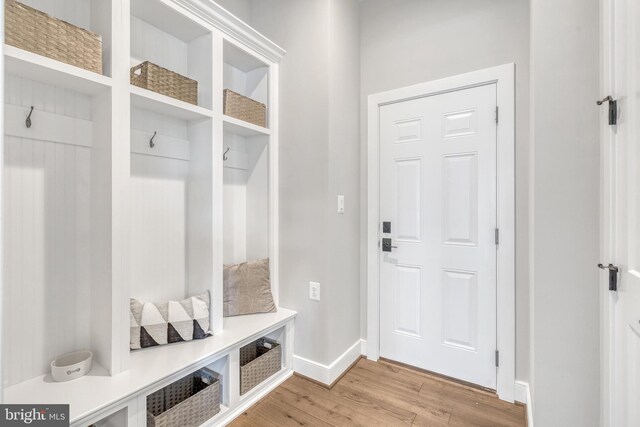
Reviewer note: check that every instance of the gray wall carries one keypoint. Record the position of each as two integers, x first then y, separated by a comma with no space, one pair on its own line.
319,159
413,41
565,328
240,8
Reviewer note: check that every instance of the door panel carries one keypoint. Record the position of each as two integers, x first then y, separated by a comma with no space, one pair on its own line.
407,308
460,309
438,189
408,183
460,193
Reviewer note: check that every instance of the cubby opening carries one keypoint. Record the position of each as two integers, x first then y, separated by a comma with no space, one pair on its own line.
221,366
260,361
92,15
117,419
163,36
246,198
245,74
55,223
171,232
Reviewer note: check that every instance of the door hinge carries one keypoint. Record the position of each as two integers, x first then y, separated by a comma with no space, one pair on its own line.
497,113
497,236
497,358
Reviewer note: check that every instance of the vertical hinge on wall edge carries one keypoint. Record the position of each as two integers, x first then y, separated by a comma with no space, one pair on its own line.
497,235
497,114
497,358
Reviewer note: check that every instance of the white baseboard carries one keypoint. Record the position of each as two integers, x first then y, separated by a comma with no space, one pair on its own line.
327,374
523,395
363,346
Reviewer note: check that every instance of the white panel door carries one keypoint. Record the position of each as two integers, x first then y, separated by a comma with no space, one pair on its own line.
438,191
622,221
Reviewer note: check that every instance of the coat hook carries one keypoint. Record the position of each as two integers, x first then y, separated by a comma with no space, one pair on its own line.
224,156
151,143
28,121
607,98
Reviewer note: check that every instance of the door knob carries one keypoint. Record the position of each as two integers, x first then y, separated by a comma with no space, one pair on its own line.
386,245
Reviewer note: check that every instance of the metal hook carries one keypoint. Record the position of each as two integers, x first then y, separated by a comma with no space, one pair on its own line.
608,98
224,156
613,109
28,121
151,143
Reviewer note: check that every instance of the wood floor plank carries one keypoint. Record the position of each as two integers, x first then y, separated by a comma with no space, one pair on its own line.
322,404
364,406
378,370
382,394
244,421
376,405
406,399
272,412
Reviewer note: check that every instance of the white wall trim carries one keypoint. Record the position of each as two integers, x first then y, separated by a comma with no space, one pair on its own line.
236,29
504,78
523,395
327,374
608,49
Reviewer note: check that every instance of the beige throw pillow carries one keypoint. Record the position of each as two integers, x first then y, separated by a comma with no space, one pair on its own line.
247,288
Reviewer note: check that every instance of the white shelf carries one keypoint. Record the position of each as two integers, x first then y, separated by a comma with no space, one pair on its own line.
164,16
152,101
242,128
97,390
46,70
241,59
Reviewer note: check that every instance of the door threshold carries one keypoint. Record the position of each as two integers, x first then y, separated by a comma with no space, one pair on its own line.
440,377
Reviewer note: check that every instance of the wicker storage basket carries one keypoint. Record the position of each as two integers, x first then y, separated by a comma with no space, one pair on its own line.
29,29
258,362
188,402
166,82
243,108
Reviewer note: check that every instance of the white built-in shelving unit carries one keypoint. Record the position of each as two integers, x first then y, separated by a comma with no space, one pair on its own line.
92,214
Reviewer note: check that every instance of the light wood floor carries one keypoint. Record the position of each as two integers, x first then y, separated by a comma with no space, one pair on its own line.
381,394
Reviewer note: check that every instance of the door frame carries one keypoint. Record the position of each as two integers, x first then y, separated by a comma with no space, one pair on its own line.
609,45
504,78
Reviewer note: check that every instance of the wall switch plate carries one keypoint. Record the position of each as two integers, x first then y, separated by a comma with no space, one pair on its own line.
314,291
340,204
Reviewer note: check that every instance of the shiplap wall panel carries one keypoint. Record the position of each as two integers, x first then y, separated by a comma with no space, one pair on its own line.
149,43
158,212
47,244
257,188
76,12
235,203
158,237
47,256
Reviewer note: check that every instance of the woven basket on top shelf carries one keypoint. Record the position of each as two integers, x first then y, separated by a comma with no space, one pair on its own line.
166,82
188,402
243,108
29,29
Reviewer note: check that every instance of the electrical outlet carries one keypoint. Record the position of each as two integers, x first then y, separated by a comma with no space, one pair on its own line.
314,291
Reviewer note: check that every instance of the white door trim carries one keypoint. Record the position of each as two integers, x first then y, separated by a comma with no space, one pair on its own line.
609,48
504,78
